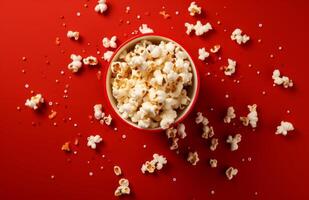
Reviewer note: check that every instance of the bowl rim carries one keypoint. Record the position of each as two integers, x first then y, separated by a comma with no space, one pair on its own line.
107,84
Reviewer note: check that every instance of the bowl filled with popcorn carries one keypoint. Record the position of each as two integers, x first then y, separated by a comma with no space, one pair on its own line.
152,82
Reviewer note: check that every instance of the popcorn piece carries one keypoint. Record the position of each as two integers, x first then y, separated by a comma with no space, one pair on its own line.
234,141
284,128
109,43
145,29
215,48
93,141
208,131
214,144
281,80
193,158
107,120
35,101
231,172
190,28
194,9
52,114
73,34
101,7
171,132
123,187
181,130
199,28
66,147
174,144
98,113
156,163
76,63
213,163
230,114
202,54
252,117
91,60
117,170
108,55
238,37
231,68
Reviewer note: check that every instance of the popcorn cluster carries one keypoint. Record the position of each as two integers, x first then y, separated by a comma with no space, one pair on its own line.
281,80
233,141
73,34
93,141
110,43
145,29
230,114
284,128
230,68
238,37
35,101
194,9
199,28
91,60
76,63
208,131
101,7
252,117
231,172
100,115
193,158
156,163
173,134
203,54
150,83
123,187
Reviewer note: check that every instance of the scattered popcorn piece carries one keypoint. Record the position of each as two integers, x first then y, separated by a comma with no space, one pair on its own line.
157,162
145,29
181,129
252,117
230,114
76,63
93,141
213,163
214,143
171,132
117,170
73,34
284,128
208,131
202,53
52,114
283,80
35,101
174,144
91,60
199,28
194,9
238,37
231,68
193,158
107,119
101,6
123,187
164,14
66,147
110,43
98,113
231,172
234,141
108,55
215,48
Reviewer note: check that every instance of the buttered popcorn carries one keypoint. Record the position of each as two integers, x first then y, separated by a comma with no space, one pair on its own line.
91,60
199,28
194,9
150,83
252,117
101,7
230,68
239,37
76,63
35,101
156,163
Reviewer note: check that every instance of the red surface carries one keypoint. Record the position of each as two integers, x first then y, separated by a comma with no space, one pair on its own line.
31,154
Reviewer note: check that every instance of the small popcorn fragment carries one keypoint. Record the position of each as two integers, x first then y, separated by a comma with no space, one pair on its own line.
194,9
231,68
93,141
233,141
193,158
110,43
285,81
238,37
164,14
117,170
230,114
199,28
52,114
107,55
181,129
145,29
76,63
215,48
213,144
156,163
231,172
202,53
284,128
123,187
66,147
35,101
252,117
90,60
213,163
73,34
101,7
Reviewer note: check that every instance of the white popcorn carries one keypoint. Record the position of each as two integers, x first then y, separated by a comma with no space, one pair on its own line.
123,187
108,55
199,28
231,68
202,53
208,131
190,28
73,34
101,7
230,114
181,130
76,63
110,43
284,128
145,29
233,141
91,60
238,37
285,81
98,113
194,9
193,158
35,101
93,141
157,162
252,117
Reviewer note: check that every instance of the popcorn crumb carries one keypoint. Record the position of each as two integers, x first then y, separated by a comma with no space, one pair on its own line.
145,29
234,141
117,170
73,34
93,141
252,117
213,163
107,55
284,128
156,163
213,144
110,43
215,48
52,114
101,6
35,101
285,81
90,60
231,68
230,114
238,37
164,14
66,147
194,9
199,28
181,130
202,53
193,158
98,113
231,172
76,63
123,187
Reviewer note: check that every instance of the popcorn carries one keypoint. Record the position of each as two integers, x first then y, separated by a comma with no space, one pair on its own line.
123,187
231,68
238,37
231,172
145,29
214,144
284,128
193,158
98,113
107,55
174,144
202,53
101,7
199,28
171,132
73,34
66,147
194,9
76,63
252,117
91,60
93,141
181,130
230,114
283,80
117,170
215,48
213,163
109,43
156,163
208,131
107,119
35,101
234,141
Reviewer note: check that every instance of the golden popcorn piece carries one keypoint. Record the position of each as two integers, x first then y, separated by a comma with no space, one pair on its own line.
231,172
193,158
117,170
214,144
66,147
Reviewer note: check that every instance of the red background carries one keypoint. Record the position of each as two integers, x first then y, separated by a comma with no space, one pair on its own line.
30,145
